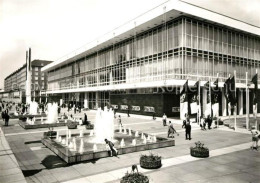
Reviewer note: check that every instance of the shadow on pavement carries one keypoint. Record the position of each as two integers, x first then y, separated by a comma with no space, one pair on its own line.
28,173
52,161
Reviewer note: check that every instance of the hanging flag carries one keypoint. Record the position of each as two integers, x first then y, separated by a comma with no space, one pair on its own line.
215,99
207,111
194,98
184,101
254,80
232,90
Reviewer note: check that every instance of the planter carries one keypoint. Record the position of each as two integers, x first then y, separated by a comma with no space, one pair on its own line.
199,151
89,126
134,178
72,125
150,162
50,134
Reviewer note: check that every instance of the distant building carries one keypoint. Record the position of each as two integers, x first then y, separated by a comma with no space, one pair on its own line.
142,65
14,84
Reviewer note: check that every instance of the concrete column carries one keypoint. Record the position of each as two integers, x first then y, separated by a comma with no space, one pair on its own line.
204,100
97,98
240,102
224,104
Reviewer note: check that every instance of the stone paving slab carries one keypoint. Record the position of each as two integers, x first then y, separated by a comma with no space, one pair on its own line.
51,169
9,168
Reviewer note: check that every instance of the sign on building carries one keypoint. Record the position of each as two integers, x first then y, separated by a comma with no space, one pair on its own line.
148,109
124,107
175,109
136,108
114,106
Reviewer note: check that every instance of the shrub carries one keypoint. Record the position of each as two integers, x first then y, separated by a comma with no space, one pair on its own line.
199,150
134,178
150,161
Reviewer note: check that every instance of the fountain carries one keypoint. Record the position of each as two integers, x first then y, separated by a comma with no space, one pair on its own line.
92,145
104,126
122,143
134,142
81,148
129,132
33,108
145,141
81,133
52,115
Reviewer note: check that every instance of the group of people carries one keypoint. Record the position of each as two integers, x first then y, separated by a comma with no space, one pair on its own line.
172,131
4,109
206,121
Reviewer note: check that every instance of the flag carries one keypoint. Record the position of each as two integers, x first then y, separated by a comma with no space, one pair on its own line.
254,80
229,89
232,91
184,100
215,99
194,98
207,111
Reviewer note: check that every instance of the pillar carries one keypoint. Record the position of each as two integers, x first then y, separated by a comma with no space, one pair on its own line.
97,99
240,102
204,100
224,104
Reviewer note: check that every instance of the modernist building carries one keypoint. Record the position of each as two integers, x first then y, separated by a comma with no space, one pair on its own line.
14,84
142,65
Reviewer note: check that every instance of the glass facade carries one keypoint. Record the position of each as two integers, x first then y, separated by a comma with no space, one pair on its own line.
184,48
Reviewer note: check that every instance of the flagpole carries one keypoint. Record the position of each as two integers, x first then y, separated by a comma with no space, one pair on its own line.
235,110
256,107
247,104
229,110
199,104
218,106
210,98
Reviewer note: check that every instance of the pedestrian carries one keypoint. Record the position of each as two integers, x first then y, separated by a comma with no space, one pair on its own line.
119,121
75,110
209,121
164,119
128,112
188,131
255,138
3,115
7,117
203,123
171,130
154,118
114,113
111,147
59,110
85,119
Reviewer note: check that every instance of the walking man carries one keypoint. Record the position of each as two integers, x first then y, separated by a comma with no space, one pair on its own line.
7,117
111,147
164,119
119,121
188,131
128,112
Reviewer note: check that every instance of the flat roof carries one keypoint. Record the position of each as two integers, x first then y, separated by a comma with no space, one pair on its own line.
150,19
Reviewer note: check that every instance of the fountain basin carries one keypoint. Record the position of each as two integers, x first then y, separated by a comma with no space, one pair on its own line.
72,156
38,124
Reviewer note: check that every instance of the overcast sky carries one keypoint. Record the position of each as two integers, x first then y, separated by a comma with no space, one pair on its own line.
53,28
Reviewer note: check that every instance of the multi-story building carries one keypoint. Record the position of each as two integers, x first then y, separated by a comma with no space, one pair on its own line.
14,84
142,65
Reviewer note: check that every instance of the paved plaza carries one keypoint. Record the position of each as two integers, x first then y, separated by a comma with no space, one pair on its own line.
231,159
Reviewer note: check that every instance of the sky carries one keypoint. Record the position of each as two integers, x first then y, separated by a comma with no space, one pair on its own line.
54,28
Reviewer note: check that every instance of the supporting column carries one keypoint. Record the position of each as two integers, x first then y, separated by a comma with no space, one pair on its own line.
97,99
224,104
240,102
204,100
